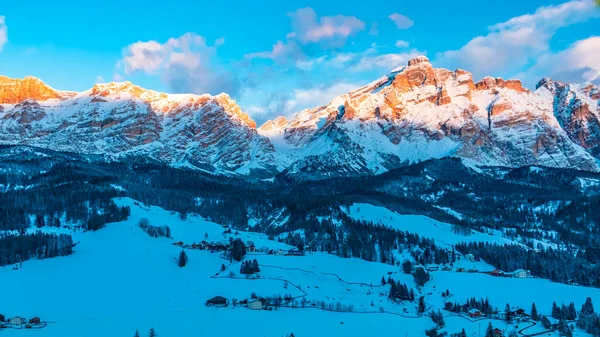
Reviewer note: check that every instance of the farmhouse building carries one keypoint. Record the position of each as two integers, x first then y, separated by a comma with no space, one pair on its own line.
35,320
16,320
257,304
521,273
217,301
474,313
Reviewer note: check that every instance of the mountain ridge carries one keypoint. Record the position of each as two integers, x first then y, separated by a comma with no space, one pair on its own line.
415,112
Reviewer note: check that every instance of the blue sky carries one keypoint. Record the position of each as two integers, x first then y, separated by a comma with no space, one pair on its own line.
277,57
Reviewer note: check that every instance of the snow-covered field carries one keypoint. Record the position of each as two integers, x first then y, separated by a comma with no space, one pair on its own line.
119,279
439,231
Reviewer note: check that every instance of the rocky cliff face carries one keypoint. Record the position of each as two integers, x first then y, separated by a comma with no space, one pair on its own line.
414,113
13,91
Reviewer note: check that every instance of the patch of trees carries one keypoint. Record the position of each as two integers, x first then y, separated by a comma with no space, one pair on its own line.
238,250
399,291
564,312
421,276
589,320
249,267
482,305
105,211
557,265
18,248
154,231
437,317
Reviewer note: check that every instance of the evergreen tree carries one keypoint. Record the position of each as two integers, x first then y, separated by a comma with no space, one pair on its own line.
421,305
534,312
182,259
137,333
407,267
152,333
587,307
382,280
508,313
556,312
489,332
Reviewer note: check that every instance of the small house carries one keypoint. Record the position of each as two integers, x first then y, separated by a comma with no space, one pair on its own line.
520,312
433,267
251,248
35,320
470,257
460,270
217,301
520,273
257,304
294,252
498,333
16,321
497,272
180,243
473,270
474,313
446,268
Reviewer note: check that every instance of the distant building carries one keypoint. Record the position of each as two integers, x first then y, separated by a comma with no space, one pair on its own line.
16,321
2,318
497,272
257,304
446,268
521,273
498,333
460,270
35,320
470,257
474,313
433,267
294,252
251,248
217,301
180,243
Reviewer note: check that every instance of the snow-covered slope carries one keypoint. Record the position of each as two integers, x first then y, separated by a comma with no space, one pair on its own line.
119,279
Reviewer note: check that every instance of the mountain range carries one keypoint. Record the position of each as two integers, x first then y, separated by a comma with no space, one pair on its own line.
414,113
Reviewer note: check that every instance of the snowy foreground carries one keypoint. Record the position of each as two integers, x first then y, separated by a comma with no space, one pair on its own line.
119,279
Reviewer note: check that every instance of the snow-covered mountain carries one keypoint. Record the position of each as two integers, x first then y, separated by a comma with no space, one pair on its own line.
121,119
420,112
414,113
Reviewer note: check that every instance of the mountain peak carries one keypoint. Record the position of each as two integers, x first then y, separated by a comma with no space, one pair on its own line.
14,90
418,60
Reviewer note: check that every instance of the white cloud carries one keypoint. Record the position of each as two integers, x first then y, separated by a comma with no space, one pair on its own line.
578,63
310,64
187,64
320,95
512,44
402,44
3,32
281,52
401,21
370,61
118,77
100,79
307,27
329,32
